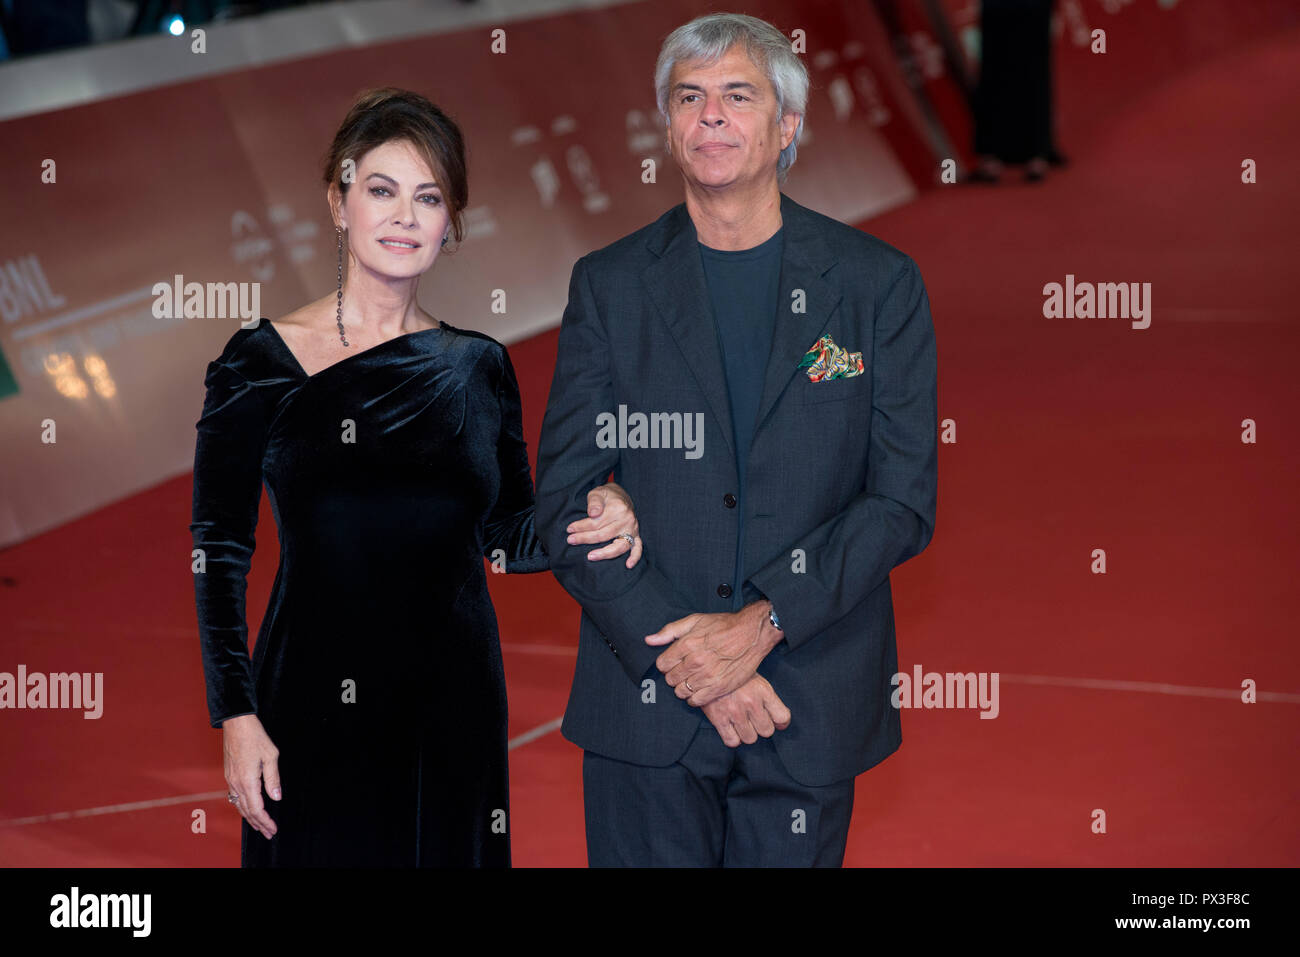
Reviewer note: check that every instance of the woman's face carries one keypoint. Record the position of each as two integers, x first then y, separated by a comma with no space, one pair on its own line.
394,212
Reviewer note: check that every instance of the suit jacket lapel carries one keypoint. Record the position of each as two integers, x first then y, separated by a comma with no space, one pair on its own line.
805,259
675,284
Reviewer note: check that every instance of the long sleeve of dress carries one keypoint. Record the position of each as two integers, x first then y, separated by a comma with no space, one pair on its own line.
510,525
227,489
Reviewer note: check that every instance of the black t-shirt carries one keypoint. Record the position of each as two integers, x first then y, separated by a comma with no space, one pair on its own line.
743,286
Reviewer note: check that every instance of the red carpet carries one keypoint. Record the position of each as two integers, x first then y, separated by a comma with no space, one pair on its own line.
1072,435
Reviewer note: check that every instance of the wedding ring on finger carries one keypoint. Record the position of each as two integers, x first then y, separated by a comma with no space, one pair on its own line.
630,540
232,797
688,686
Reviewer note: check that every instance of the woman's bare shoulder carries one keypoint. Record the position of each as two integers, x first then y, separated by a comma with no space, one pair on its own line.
304,317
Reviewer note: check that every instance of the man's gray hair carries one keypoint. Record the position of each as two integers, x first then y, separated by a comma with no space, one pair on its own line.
709,37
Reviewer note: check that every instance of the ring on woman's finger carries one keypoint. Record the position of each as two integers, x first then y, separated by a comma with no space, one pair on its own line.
630,539
232,797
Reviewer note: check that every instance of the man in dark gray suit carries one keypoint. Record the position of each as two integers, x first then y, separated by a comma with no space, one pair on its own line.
761,380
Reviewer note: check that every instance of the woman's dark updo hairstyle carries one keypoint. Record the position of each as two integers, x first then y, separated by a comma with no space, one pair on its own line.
383,115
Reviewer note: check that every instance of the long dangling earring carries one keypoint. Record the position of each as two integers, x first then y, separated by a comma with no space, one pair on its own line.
339,230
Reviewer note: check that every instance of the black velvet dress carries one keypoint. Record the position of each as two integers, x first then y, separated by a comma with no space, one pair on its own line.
377,671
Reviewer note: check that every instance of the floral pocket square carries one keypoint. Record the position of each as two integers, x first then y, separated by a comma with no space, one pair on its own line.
826,360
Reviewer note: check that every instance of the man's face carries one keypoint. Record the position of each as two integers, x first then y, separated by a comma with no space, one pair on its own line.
723,128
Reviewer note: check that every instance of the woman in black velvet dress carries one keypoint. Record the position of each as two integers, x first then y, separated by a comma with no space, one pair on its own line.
370,726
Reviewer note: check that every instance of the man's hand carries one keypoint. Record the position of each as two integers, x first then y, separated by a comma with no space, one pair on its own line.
713,655
751,710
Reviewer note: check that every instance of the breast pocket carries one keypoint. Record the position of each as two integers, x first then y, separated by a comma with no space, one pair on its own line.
834,390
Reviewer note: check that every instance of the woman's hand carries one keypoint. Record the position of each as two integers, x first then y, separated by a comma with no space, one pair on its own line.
609,510
250,759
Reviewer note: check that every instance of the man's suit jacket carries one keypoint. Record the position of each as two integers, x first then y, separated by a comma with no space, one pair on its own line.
841,482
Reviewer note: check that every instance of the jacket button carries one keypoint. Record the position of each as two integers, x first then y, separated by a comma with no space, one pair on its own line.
724,590
729,500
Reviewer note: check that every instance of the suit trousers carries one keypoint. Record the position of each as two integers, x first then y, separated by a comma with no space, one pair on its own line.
715,807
